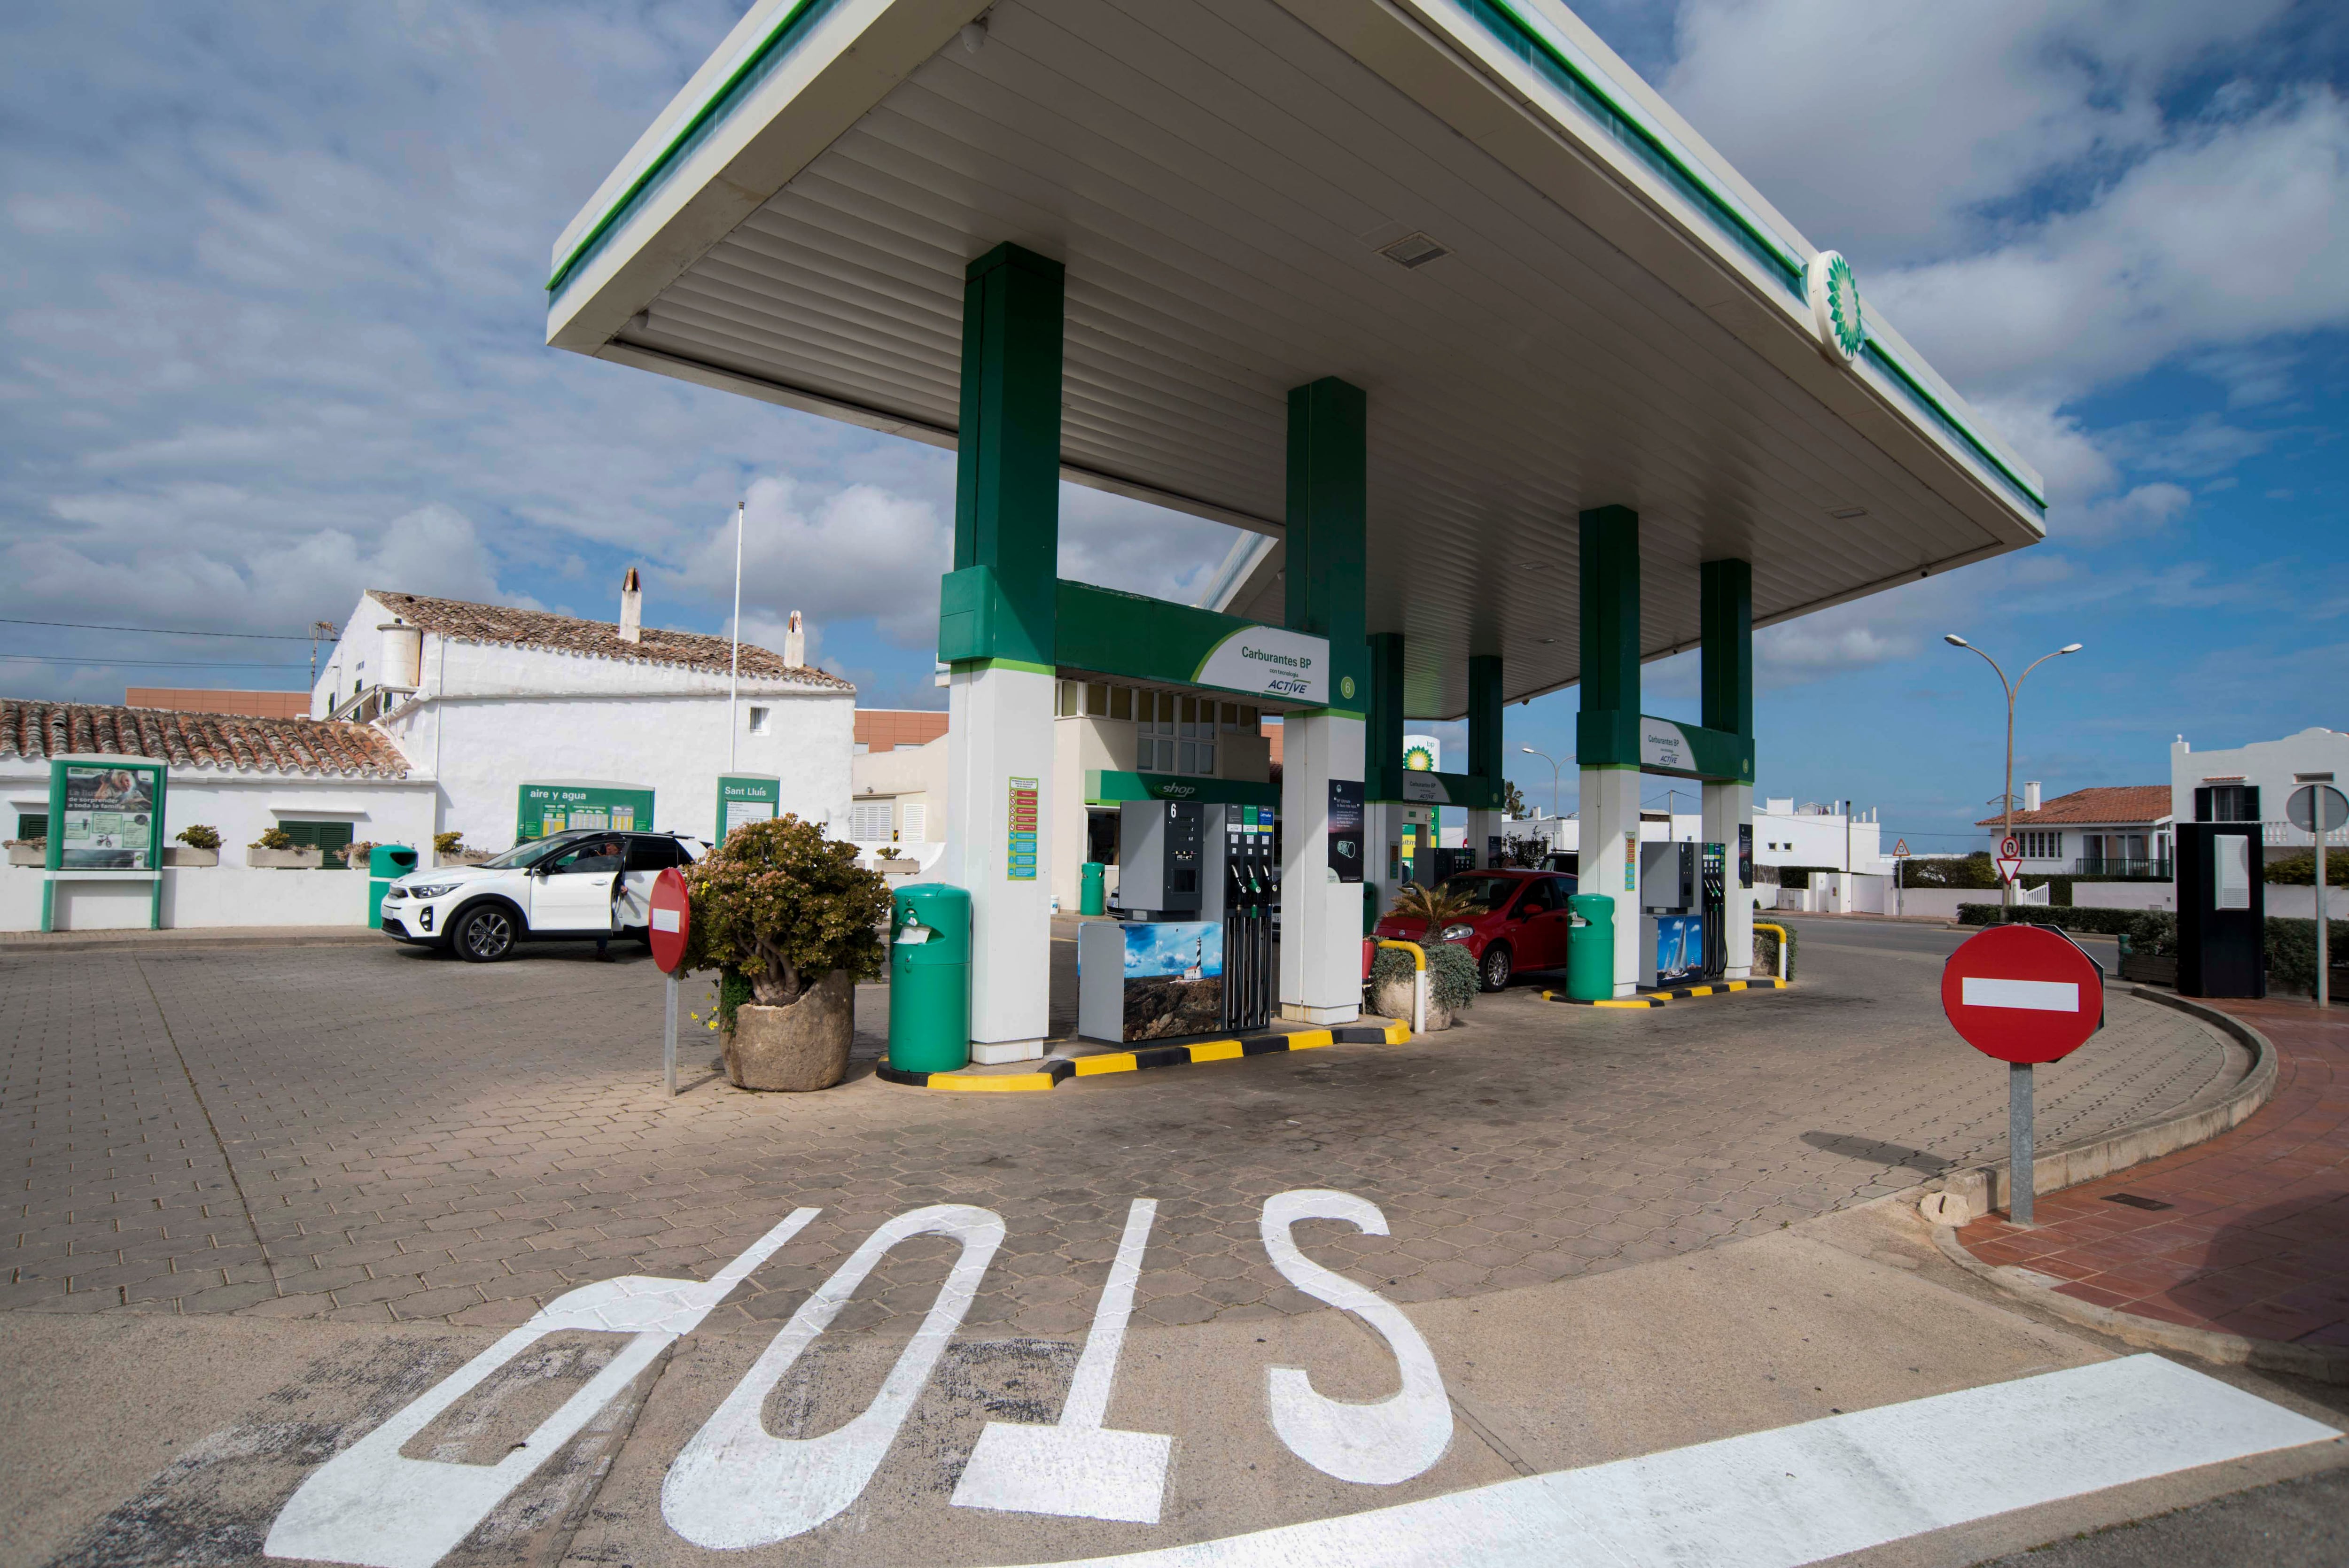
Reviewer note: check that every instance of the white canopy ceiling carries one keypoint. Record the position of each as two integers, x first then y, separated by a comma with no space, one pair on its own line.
1616,318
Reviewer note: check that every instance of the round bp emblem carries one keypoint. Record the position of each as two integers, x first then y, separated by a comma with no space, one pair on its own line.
1418,760
1346,686
1835,308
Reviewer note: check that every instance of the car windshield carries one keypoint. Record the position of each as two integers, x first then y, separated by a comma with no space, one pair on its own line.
528,854
1487,893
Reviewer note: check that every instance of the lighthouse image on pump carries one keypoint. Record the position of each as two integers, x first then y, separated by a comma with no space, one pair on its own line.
1198,967
1174,979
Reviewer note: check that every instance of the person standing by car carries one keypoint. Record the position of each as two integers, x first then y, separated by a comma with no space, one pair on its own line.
609,856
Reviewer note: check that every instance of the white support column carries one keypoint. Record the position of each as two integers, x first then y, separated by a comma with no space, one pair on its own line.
1483,827
1727,807
1610,859
1000,730
1320,917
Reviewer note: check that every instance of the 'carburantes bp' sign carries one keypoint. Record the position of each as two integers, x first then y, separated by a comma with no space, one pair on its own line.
1271,661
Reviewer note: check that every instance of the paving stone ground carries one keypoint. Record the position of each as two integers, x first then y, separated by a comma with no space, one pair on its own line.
2248,1233
374,1134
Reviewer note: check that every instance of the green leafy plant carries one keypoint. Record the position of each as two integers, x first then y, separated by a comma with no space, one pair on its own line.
273,838
780,906
1436,906
197,836
449,843
1974,870
1765,949
2299,870
1452,978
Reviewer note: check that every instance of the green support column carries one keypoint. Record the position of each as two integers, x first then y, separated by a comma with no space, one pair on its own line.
1329,498
999,602
1726,627
1382,739
1486,754
1608,733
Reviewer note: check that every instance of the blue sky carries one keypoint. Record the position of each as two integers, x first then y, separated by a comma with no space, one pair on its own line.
273,335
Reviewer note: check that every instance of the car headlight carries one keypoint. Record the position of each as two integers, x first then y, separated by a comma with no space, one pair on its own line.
430,889
1458,932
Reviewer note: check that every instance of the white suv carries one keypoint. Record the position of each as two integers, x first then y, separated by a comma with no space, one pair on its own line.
558,887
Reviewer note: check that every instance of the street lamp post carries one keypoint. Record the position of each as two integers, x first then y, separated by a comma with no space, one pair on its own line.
1554,765
2006,799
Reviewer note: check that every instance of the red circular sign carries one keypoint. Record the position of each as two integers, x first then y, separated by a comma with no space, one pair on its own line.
2022,994
671,918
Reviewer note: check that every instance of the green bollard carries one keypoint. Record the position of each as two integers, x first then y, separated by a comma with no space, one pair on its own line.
1591,948
929,979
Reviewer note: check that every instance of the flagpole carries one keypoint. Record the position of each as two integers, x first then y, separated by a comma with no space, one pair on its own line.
734,664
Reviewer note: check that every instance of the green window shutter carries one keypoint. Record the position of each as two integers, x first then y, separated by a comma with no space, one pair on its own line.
32,825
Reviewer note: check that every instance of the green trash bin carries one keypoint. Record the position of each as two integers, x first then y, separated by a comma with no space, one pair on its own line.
1591,948
1091,879
386,864
929,979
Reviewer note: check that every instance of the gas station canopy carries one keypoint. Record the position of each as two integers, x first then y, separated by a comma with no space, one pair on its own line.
1555,295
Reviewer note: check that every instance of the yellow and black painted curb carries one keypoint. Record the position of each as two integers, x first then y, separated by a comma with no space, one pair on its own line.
1053,1071
1676,994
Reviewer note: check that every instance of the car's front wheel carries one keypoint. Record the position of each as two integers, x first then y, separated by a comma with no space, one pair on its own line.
485,935
1498,967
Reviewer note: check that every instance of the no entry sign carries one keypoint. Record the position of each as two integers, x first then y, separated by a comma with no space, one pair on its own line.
671,918
2022,994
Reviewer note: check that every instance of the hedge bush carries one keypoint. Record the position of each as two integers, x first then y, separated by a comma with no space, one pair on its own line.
2292,952
1452,978
2299,870
1766,951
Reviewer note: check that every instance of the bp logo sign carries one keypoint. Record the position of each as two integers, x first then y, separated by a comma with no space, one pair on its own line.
1835,308
1419,759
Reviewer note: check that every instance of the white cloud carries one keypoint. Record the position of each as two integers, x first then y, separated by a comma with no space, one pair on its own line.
857,551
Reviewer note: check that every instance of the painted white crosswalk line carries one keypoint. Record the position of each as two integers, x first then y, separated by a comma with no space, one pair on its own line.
1800,1494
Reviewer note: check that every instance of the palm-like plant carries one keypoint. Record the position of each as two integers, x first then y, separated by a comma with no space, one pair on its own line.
1438,906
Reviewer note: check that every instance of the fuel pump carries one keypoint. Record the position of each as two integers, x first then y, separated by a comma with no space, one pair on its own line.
1250,884
1715,908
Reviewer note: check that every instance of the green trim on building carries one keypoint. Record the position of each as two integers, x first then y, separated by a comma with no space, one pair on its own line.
1383,741
1725,633
1487,747
1464,790
1328,517
1108,787
1008,461
1104,630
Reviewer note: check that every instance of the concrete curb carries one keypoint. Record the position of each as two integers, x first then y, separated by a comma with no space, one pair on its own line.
29,944
1677,994
1985,1187
2322,1364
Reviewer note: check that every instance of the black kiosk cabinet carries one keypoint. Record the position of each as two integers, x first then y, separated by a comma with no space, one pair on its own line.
2221,910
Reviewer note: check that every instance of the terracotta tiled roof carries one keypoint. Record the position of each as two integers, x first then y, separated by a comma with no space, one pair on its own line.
596,639
38,730
2118,803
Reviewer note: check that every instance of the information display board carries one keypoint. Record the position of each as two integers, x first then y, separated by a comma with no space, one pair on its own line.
106,814
1020,842
555,806
747,798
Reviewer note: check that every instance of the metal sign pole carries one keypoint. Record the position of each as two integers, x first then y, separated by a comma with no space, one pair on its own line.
2019,1148
668,1041
2324,946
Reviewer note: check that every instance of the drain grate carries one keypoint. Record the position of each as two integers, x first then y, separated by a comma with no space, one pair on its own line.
2134,1202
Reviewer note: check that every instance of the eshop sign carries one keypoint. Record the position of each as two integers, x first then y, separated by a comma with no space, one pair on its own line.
1270,661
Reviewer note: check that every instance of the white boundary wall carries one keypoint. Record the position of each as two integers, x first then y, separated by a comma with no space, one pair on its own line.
193,897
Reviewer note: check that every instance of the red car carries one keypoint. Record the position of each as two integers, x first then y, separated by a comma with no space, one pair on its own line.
1522,923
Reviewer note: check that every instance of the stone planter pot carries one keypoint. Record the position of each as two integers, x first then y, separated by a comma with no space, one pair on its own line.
28,856
181,855
1392,999
903,866
284,859
464,857
799,1047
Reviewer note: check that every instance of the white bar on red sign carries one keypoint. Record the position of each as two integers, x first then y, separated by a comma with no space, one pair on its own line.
663,920
2032,995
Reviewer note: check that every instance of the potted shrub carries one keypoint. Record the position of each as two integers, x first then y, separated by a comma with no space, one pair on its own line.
276,849
890,863
203,847
28,851
791,922
448,850
1452,977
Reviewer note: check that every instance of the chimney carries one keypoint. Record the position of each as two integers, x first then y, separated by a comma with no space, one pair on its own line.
794,642
632,609
2030,794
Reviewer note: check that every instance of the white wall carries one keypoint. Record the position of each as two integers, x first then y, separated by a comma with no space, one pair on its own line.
2269,765
488,718
241,806
193,897
2134,895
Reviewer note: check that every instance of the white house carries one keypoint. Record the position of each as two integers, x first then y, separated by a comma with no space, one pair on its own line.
900,782
1785,834
2112,830
324,783
2254,784
483,699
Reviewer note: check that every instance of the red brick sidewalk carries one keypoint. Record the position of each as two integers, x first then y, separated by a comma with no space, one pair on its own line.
2255,1239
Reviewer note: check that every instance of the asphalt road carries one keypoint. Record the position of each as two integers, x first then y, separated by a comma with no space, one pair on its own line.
1863,935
